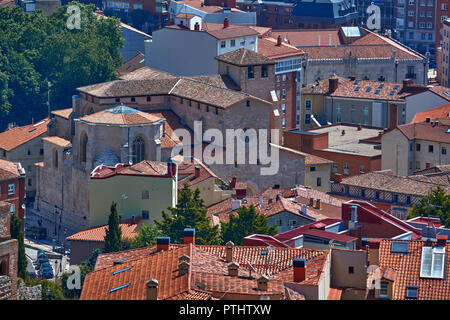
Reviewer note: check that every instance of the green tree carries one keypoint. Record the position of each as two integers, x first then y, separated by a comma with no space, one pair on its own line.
17,233
435,204
146,237
246,222
50,290
113,237
35,49
190,212
87,266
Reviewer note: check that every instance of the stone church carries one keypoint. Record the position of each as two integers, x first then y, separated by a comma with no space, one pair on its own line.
134,118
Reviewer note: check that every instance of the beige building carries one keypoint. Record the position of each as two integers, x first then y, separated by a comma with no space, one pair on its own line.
24,145
416,146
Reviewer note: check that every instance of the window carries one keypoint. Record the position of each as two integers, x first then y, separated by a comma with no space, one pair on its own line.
410,13
422,36
41,152
12,209
432,264
278,78
117,99
338,108
422,14
411,292
284,77
233,43
207,107
145,215
377,195
312,169
55,159
29,152
411,34
283,96
223,44
444,150
198,105
351,270
429,25
11,189
411,25
149,99
319,181
408,200
145,195
29,182
421,25
138,149
430,149
292,222
430,36
181,100
264,72
247,103
278,94
190,103
283,108
361,169
284,122
384,285
363,193
83,147
308,105
243,42
418,147
307,118
251,73
395,198
430,14
365,111
334,168
133,99
346,168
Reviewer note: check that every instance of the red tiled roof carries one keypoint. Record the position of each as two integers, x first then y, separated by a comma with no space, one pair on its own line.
308,37
219,32
135,63
268,48
334,294
129,231
407,268
8,170
143,168
296,232
442,112
245,57
208,272
12,138
61,142
186,173
108,117
426,131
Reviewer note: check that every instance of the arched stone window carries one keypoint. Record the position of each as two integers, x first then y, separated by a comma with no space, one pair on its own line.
83,147
4,266
138,149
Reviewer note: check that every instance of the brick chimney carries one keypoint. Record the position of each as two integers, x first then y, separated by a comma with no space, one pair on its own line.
311,202
393,116
279,40
233,182
197,171
318,204
229,247
333,84
441,239
183,268
226,23
233,269
171,169
406,83
162,243
189,236
337,177
263,282
299,269
152,289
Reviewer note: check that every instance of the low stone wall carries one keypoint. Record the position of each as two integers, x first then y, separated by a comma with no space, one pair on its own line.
5,287
29,293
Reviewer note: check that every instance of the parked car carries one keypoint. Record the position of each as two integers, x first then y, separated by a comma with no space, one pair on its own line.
36,233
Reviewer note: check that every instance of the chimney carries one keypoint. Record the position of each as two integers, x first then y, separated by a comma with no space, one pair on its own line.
233,182
279,41
189,236
318,204
233,269
183,258
263,282
299,269
229,247
406,83
441,239
133,220
152,289
183,268
162,243
359,128
343,133
393,116
171,169
235,204
270,200
196,27
333,84
197,171
427,120
337,177
278,197
311,202
226,23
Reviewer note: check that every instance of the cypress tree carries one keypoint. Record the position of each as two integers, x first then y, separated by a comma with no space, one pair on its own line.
113,237
17,233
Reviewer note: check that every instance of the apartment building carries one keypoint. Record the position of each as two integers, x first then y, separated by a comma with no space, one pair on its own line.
442,13
445,73
416,146
12,187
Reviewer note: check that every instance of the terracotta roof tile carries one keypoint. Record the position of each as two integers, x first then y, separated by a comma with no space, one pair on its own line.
8,170
245,57
426,131
61,142
129,231
135,63
12,138
186,173
121,115
268,48
63,113
442,112
143,168
407,268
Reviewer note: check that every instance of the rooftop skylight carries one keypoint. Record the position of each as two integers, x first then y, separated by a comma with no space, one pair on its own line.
118,288
122,270
432,264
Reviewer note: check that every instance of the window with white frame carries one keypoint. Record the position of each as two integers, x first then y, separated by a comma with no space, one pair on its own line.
11,189
433,262
223,44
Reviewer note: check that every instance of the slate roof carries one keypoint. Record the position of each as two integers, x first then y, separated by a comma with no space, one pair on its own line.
17,136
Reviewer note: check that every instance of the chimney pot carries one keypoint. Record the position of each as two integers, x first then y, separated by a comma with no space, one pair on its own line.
318,204
263,282
299,269
171,169
427,119
229,251
226,23
311,202
197,171
279,40
189,236
333,84
233,269
359,128
152,289
162,243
